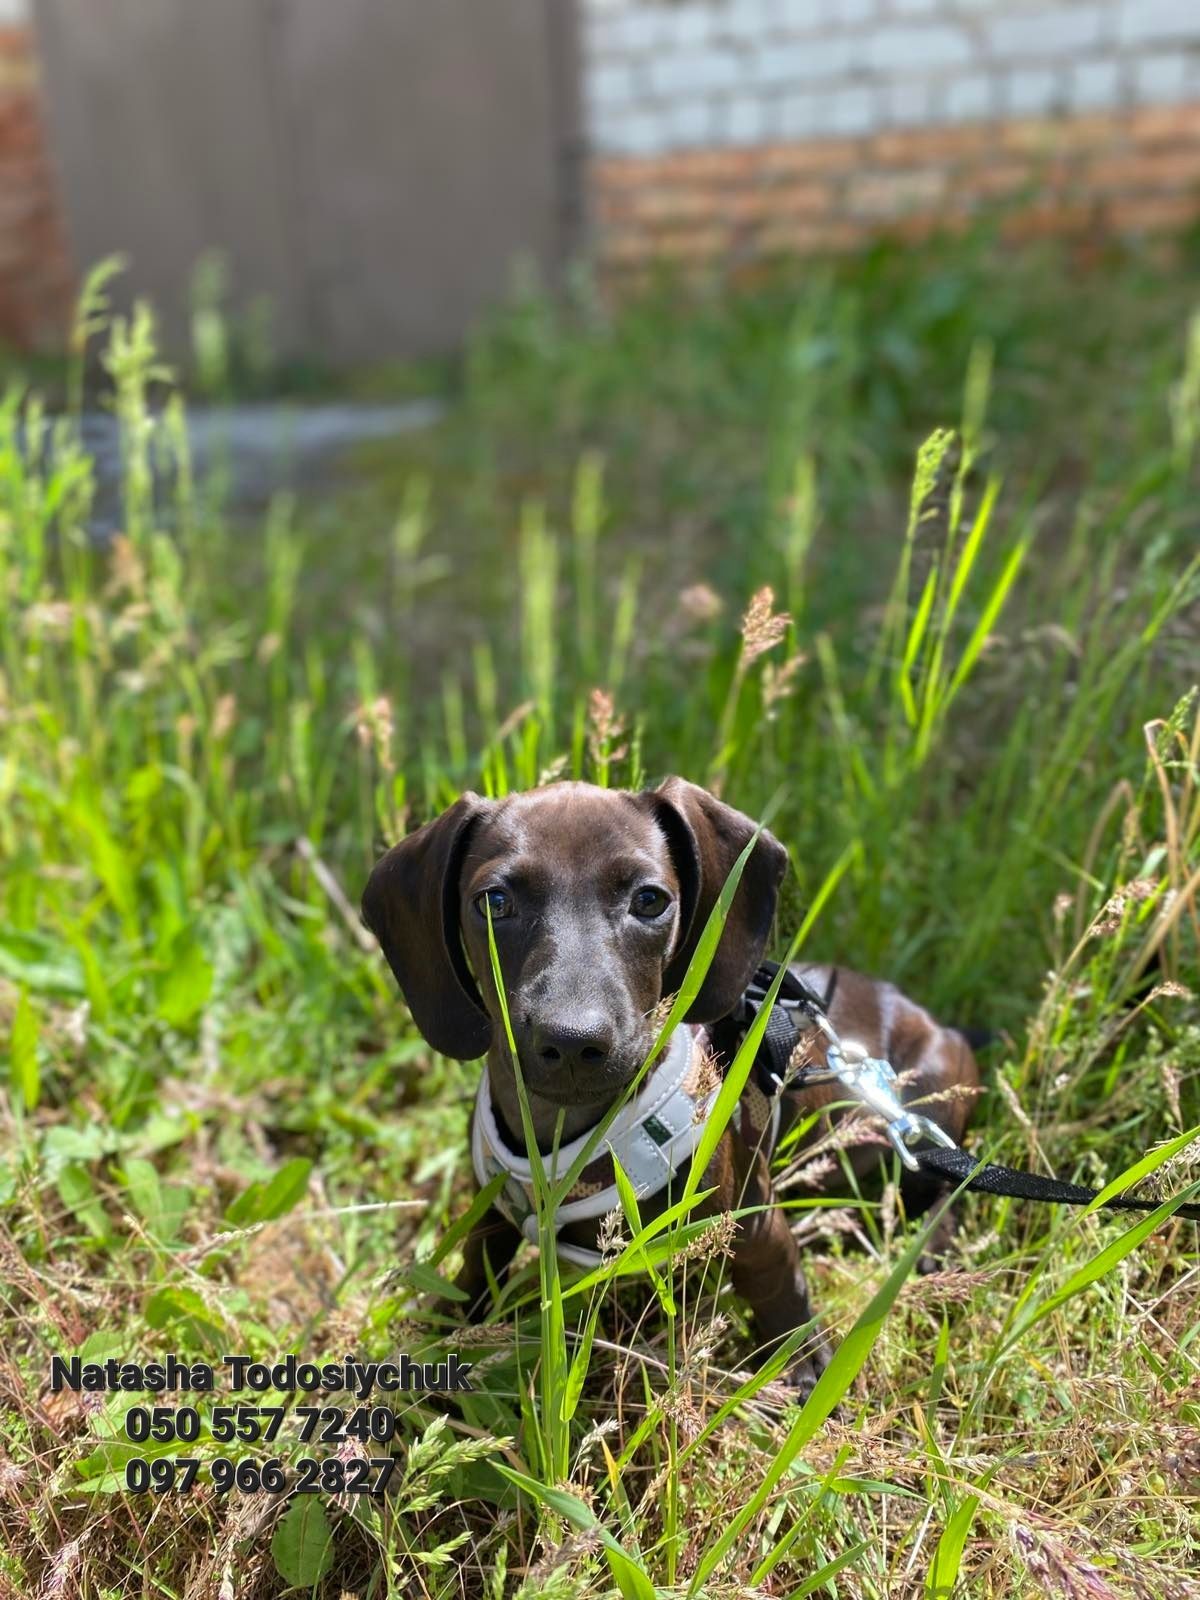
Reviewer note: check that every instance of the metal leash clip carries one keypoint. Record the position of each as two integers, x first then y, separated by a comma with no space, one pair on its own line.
874,1082
869,1078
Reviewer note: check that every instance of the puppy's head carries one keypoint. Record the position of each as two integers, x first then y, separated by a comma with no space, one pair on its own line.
598,899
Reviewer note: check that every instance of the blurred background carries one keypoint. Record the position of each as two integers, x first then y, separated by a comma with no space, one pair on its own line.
368,173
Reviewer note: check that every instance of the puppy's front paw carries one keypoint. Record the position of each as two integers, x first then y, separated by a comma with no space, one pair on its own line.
801,1373
801,1377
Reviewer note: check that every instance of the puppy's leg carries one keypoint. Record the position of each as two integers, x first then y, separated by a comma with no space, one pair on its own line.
492,1242
767,1273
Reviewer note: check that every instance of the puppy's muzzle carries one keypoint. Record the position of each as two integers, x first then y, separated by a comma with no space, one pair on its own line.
572,1060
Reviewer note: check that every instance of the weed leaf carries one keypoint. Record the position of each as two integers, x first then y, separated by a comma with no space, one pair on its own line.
302,1544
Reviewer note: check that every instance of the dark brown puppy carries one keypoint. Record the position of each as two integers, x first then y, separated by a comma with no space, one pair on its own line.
598,898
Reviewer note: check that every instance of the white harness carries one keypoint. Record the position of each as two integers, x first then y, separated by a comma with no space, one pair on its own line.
651,1136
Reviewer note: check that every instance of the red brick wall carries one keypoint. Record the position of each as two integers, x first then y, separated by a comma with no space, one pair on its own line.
35,271
1128,171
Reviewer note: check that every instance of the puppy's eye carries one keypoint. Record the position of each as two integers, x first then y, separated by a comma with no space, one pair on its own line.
649,903
498,901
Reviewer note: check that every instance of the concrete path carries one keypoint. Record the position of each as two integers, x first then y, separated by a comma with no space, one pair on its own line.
262,448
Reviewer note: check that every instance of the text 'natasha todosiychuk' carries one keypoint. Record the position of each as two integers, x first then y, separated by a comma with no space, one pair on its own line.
287,1375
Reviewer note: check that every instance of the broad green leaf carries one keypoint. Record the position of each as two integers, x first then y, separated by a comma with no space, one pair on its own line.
103,1344
286,1189
145,1191
176,1200
110,864
81,1200
162,1206
40,963
143,785
103,1470
62,1145
242,1210
302,1544
178,1306
264,1201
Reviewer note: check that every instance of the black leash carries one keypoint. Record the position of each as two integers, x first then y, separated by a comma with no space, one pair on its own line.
988,1178
770,1071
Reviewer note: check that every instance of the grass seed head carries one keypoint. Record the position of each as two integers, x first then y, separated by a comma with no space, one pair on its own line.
762,626
699,603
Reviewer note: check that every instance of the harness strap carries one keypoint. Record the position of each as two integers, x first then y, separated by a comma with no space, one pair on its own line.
651,1136
989,1178
779,1039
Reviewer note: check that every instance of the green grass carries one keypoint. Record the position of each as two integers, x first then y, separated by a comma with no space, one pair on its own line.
976,728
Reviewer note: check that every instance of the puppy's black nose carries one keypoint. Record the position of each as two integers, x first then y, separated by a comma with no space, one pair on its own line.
584,1042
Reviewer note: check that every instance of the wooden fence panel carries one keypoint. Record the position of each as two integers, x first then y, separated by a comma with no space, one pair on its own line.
373,166
166,145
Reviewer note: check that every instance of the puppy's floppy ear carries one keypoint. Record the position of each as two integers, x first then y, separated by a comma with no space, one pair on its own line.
411,906
705,838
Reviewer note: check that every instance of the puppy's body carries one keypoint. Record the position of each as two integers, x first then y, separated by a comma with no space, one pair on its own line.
597,900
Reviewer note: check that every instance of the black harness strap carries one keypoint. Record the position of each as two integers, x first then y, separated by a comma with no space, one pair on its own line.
779,1040
985,1177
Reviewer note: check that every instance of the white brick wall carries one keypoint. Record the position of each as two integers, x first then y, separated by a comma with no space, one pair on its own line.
671,74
